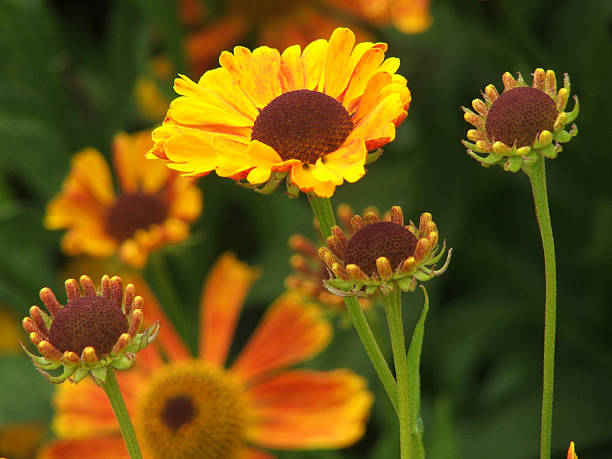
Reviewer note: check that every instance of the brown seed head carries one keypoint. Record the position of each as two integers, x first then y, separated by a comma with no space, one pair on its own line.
519,114
134,211
381,239
303,124
87,321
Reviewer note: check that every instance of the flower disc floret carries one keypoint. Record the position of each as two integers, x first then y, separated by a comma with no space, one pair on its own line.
309,117
381,239
87,321
192,409
512,128
132,212
519,115
382,255
93,331
303,125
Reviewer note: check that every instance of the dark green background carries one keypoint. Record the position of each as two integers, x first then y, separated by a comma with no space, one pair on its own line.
66,80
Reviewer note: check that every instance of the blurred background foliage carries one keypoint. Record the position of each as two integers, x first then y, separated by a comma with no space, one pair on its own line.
68,79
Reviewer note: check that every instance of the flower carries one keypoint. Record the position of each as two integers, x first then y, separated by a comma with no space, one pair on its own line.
382,254
308,117
154,206
20,440
197,407
310,271
281,24
521,123
90,333
571,454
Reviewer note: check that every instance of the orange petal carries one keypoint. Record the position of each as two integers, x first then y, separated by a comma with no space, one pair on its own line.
232,155
571,452
189,150
135,173
310,409
337,69
305,180
205,111
378,127
220,82
186,200
168,339
112,447
348,162
257,73
292,70
313,60
90,171
290,332
222,298
369,62
411,16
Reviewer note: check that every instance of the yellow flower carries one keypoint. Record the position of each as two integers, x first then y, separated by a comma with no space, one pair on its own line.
200,407
93,331
571,453
380,255
308,117
521,123
154,206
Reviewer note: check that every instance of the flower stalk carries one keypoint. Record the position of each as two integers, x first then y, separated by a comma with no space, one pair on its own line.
322,210
537,176
111,387
393,310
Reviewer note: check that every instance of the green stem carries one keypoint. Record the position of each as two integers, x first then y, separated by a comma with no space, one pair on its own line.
537,176
322,210
111,387
393,309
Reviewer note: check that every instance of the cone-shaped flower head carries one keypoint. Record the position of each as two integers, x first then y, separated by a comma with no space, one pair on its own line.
524,121
90,333
382,254
309,270
308,117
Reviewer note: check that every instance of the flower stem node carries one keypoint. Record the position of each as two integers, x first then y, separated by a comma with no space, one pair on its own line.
379,255
90,333
514,127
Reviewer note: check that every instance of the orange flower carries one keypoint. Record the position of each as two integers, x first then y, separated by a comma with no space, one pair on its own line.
197,407
308,117
153,207
281,24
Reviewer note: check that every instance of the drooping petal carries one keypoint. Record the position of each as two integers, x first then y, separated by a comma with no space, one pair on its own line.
222,298
305,180
290,332
310,409
111,447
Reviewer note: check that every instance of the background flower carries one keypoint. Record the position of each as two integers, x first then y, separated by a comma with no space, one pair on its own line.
154,205
257,401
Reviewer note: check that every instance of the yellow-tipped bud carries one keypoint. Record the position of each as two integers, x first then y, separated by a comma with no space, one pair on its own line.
383,266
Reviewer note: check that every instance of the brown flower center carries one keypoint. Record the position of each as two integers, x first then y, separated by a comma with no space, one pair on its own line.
303,124
87,321
193,410
178,411
381,239
134,211
520,114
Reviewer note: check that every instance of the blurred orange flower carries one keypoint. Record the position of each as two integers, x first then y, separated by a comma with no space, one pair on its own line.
197,407
154,205
280,24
